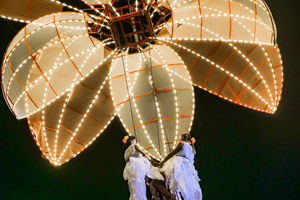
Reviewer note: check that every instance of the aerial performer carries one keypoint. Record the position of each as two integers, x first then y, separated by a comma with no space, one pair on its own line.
181,175
136,169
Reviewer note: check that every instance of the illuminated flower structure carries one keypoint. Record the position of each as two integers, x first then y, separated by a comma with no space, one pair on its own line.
70,72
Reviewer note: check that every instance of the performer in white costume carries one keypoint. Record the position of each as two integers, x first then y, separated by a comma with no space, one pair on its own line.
136,170
180,173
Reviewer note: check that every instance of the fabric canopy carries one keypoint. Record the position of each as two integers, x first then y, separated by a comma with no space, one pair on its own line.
70,73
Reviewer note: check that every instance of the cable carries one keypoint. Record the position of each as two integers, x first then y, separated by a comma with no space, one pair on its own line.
155,97
127,86
10,25
155,93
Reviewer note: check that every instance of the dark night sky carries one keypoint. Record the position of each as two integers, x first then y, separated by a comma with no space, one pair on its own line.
241,153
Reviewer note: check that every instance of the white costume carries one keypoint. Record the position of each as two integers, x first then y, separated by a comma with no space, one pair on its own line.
181,175
137,167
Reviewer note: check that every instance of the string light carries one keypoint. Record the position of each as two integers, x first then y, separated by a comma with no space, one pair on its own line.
96,10
176,102
227,72
40,51
192,88
237,51
130,98
38,29
86,113
101,19
15,19
69,6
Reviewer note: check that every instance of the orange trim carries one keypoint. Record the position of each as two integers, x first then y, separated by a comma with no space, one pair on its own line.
168,64
75,109
154,120
228,58
66,128
195,45
33,58
134,98
36,51
169,142
252,100
51,129
148,147
88,86
208,75
244,70
73,133
264,91
65,47
239,94
272,82
256,83
91,38
180,50
10,100
6,89
80,113
139,70
276,66
106,96
272,50
95,122
159,91
214,49
230,20
156,91
91,8
251,49
262,64
95,90
84,114
193,64
200,13
103,64
59,101
167,30
223,84
261,93
28,10
255,13
22,87
79,141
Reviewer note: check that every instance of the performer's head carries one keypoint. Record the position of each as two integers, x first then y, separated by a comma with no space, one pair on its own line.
128,140
185,137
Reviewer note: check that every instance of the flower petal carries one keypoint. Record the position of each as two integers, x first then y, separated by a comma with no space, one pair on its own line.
160,105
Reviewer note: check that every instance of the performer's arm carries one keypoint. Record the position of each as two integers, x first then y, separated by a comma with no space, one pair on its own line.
172,153
142,152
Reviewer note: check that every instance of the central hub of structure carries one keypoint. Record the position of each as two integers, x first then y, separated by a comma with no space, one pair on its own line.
132,23
132,28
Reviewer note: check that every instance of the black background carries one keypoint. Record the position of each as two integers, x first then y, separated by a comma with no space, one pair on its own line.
241,153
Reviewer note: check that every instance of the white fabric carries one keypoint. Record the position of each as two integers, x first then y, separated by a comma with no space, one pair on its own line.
155,173
135,171
181,175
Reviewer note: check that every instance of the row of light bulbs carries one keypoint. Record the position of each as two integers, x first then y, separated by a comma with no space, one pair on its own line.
221,68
